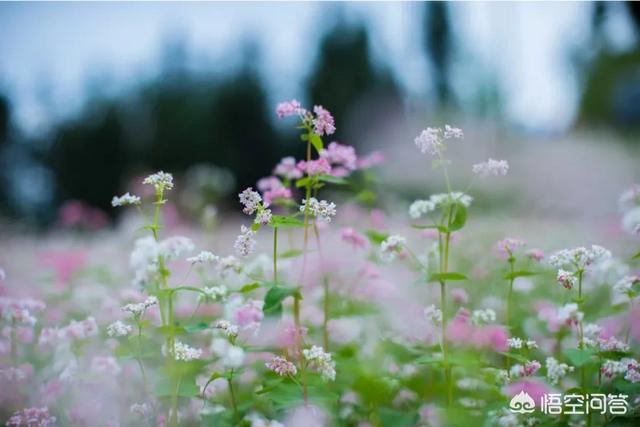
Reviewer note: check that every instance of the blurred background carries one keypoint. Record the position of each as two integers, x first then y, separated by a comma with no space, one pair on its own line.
95,95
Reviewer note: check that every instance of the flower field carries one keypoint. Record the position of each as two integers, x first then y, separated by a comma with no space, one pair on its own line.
314,307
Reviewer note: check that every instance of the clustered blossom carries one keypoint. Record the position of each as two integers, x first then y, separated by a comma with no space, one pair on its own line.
392,246
227,264
125,199
140,409
420,208
118,329
204,257
137,309
612,344
245,242
183,352
518,343
289,108
287,168
321,362
580,257
483,317
323,123
263,217
625,285
491,168
316,167
570,314
281,366
535,255
351,236
249,315
628,367
160,180
342,156
526,370
250,199
431,140
79,330
213,293
507,246
230,330
322,210
19,311
433,315
566,278
556,370
31,417
144,258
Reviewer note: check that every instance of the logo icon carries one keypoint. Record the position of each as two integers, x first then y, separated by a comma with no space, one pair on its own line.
522,403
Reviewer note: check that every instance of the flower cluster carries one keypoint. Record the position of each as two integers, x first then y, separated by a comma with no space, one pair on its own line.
392,246
431,140
118,329
183,352
204,257
321,362
322,210
556,371
31,417
136,310
160,180
245,242
281,366
124,200
491,168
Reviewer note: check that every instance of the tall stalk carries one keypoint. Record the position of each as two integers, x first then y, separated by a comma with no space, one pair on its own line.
511,261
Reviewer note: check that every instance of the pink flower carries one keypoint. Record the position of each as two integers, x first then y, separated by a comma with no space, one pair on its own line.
340,155
31,417
506,247
323,124
370,160
535,254
351,236
493,337
287,168
533,388
76,213
289,108
315,167
378,219
249,315
65,263
459,296
274,194
268,183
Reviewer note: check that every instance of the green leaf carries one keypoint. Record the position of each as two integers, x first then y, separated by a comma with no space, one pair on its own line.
515,274
302,182
316,141
636,256
274,297
168,330
397,418
578,357
515,356
249,287
376,237
281,221
457,215
366,197
430,226
291,253
255,227
332,179
166,387
201,326
443,277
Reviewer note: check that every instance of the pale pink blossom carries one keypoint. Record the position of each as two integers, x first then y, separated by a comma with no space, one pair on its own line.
351,236
323,123
315,167
289,108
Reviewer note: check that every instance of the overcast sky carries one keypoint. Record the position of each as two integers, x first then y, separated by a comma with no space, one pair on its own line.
49,52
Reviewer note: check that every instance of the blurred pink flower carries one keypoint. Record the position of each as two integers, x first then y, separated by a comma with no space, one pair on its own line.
280,193
65,263
324,123
370,160
459,296
314,167
76,213
351,236
533,388
249,315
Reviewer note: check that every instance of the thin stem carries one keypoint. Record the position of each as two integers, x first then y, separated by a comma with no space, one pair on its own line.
232,394
275,254
510,302
174,404
303,371
139,358
583,370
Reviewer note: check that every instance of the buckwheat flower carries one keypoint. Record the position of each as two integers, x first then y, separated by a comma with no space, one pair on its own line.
483,317
531,344
31,417
250,199
276,194
444,199
183,352
233,357
263,217
625,285
287,168
612,344
491,168
160,180
341,155
105,365
137,309
204,257
19,311
322,210
391,247
580,257
570,314
556,370
535,254
141,409
173,247
507,246
351,236
530,368
281,366
430,141
79,330
269,183
321,362
433,315
630,197
631,221
245,243
420,208
249,315
118,329
289,108
213,293
229,329
515,342
566,278
315,167
227,264
125,199
323,123
453,132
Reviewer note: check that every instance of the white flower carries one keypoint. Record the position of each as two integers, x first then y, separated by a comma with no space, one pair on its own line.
452,132
556,371
228,263
213,293
204,257
138,309
391,246
140,409
631,221
480,317
118,329
625,285
491,167
515,342
430,141
321,362
183,352
125,199
579,257
233,357
433,314
444,199
566,278
227,328
160,180
421,207
245,243
322,210
263,217
569,313
250,199
173,247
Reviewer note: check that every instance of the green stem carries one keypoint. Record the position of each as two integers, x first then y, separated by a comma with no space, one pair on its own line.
275,254
174,404
583,370
232,394
443,308
139,358
510,303
298,332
